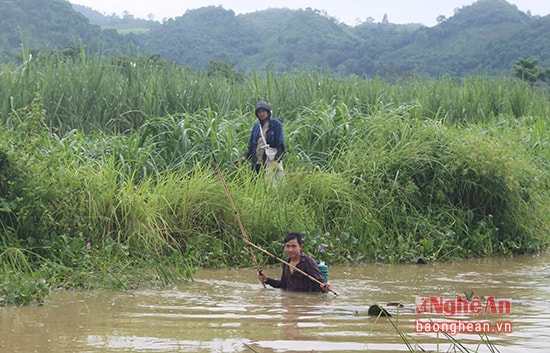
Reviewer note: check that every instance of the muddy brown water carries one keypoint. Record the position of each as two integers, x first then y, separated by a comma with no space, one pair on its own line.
230,311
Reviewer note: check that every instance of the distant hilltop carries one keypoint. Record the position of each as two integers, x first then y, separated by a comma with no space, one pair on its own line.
487,37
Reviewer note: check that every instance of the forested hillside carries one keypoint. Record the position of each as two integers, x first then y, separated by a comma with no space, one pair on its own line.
488,36
478,39
50,25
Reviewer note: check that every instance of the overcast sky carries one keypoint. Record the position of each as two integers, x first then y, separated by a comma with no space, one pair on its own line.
348,11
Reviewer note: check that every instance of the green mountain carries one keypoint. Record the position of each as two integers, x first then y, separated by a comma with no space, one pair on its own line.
478,38
488,36
290,39
50,25
202,35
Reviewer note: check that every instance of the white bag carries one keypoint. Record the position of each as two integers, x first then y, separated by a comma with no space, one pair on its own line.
270,152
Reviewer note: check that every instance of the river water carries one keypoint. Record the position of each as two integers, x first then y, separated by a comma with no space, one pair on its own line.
230,311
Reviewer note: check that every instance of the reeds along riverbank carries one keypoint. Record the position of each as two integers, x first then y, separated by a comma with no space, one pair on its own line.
119,94
99,185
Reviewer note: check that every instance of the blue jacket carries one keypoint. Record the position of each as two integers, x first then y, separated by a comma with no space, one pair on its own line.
274,136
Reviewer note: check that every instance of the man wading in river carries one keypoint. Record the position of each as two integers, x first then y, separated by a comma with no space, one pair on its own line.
292,279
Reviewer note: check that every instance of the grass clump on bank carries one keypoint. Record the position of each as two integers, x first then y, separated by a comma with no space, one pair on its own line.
374,172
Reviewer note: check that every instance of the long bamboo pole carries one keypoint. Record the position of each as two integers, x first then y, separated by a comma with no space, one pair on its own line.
243,232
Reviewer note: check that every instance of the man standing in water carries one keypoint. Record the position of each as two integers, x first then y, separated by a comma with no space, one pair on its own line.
293,280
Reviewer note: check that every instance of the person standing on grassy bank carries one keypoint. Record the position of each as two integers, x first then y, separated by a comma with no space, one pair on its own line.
267,142
293,280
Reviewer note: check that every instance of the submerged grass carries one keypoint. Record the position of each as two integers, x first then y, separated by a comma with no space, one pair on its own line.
107,178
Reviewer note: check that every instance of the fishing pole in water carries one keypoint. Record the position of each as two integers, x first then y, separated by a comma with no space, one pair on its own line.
245,237
252,245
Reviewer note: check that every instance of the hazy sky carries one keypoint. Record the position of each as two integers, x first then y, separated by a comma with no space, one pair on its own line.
348,11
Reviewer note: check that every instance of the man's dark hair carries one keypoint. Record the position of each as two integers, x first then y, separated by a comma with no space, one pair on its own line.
294,235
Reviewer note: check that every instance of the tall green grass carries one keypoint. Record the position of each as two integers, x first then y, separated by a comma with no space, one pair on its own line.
106,170
119,94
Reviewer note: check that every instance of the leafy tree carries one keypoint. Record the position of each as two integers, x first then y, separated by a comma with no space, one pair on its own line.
528,70
220,68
